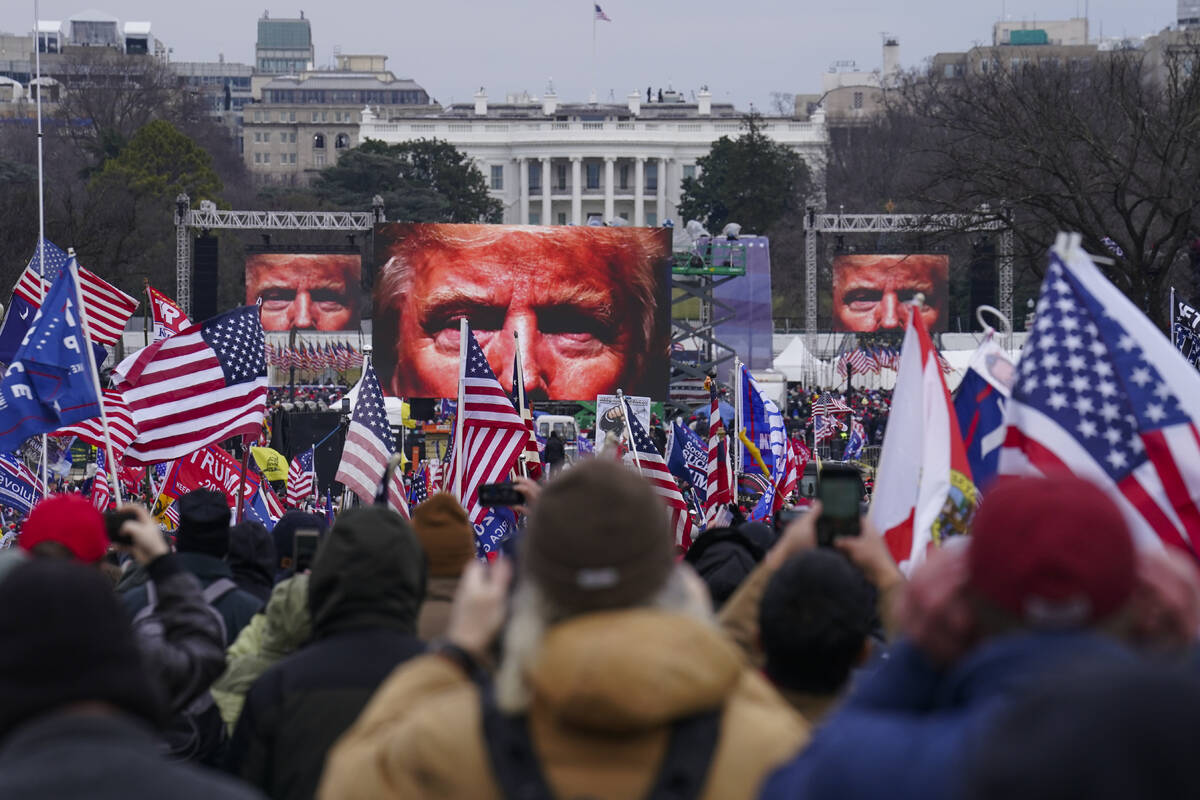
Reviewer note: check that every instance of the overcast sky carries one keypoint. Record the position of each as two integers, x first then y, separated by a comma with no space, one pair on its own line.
743,50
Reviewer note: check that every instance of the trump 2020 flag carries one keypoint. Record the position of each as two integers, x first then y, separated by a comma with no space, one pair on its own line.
979,405
923,487
1101,392
50,382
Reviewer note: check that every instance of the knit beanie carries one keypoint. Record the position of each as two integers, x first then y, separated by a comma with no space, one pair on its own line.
203,523
598,538
446,535
70,520
1055,552
66,641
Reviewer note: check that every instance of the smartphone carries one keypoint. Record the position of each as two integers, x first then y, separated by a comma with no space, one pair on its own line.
784,517
304,548
113,520
500,494
840,490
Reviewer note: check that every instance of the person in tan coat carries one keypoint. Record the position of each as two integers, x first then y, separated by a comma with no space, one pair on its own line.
448,540
610,656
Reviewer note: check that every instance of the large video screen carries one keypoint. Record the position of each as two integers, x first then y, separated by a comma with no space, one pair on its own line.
307,291
590,307
869,291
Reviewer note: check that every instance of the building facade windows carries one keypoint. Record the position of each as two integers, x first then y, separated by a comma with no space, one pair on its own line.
535,218
561,176
689,171
341,141
593,176
319,141
858,99
535,178
498,177
651,177
624,176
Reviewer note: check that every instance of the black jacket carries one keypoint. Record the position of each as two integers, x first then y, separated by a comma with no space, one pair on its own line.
366,588
100,757
236,607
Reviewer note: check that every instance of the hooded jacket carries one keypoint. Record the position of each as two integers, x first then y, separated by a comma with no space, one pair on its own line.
364,595
277,632
606,689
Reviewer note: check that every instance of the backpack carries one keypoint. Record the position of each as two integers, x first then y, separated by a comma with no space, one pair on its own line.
196,733
681,776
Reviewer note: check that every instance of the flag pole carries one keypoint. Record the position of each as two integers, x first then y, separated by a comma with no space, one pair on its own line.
628,409
736,461
1171,324
37,57
91,357
464,330
519,380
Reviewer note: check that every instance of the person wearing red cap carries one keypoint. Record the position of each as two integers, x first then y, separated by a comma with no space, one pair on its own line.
65,526
1049,578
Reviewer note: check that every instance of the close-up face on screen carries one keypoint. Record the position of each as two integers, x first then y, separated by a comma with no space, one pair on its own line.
588,307
871,291
306,291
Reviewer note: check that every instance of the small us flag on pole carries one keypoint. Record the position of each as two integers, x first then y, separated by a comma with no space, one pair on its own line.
369,445
600,15
300,479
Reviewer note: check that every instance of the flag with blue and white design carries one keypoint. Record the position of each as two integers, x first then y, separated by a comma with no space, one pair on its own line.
856,442
979,405
687,458
1185,332
20,310
20,488
764,426
50,382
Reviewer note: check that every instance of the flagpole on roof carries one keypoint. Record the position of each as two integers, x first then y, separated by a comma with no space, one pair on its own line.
464,328
113,467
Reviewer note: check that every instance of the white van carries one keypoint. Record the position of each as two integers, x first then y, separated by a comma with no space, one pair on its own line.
566,428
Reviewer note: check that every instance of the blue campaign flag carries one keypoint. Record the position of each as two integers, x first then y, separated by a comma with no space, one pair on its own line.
856,442
764,427
22,310
499,524
18,485
584,446
979,405
687,459
257,510
50,382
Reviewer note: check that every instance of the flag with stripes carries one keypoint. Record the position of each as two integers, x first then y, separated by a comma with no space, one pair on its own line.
765,426
1101,392
20,488
650,463
101,491
121,427
419,492
531,456
827,404
718,487
21,312
856,442
204,384
369,445
599,15
300,478
493,433
107,307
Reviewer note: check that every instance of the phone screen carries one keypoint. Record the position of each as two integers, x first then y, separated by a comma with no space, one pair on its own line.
304,548
841,497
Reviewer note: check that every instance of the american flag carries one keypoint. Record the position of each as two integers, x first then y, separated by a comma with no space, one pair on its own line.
825,426
204,384
600,16
827,404
531,456
101,491
369,445
493,433
120,425
654,469
788,478
300,478
274,508
719,491
1102,393
107,307
419,492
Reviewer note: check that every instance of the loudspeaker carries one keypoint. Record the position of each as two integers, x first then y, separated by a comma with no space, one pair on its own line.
204,278
982,278
303,430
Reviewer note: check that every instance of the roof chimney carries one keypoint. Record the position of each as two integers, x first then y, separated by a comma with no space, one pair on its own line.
549,102
891,57
634,100
481,103
704,102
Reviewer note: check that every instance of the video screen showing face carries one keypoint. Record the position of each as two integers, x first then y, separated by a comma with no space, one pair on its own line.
306,291
870,292
590,307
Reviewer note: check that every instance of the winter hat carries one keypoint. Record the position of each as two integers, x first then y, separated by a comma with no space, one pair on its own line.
66,641
70,520
598,538
203,523
1055,551
446,535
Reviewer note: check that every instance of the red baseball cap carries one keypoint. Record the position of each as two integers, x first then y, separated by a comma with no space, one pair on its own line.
72,521
1054,551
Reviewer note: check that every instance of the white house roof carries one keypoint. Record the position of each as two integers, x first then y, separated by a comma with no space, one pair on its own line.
137,28
91,15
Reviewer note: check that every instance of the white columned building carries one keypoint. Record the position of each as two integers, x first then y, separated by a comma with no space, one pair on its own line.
554,163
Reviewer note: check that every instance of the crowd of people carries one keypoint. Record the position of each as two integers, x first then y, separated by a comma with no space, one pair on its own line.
1043,655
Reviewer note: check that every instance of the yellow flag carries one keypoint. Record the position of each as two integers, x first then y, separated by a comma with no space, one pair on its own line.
270,462
754,452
